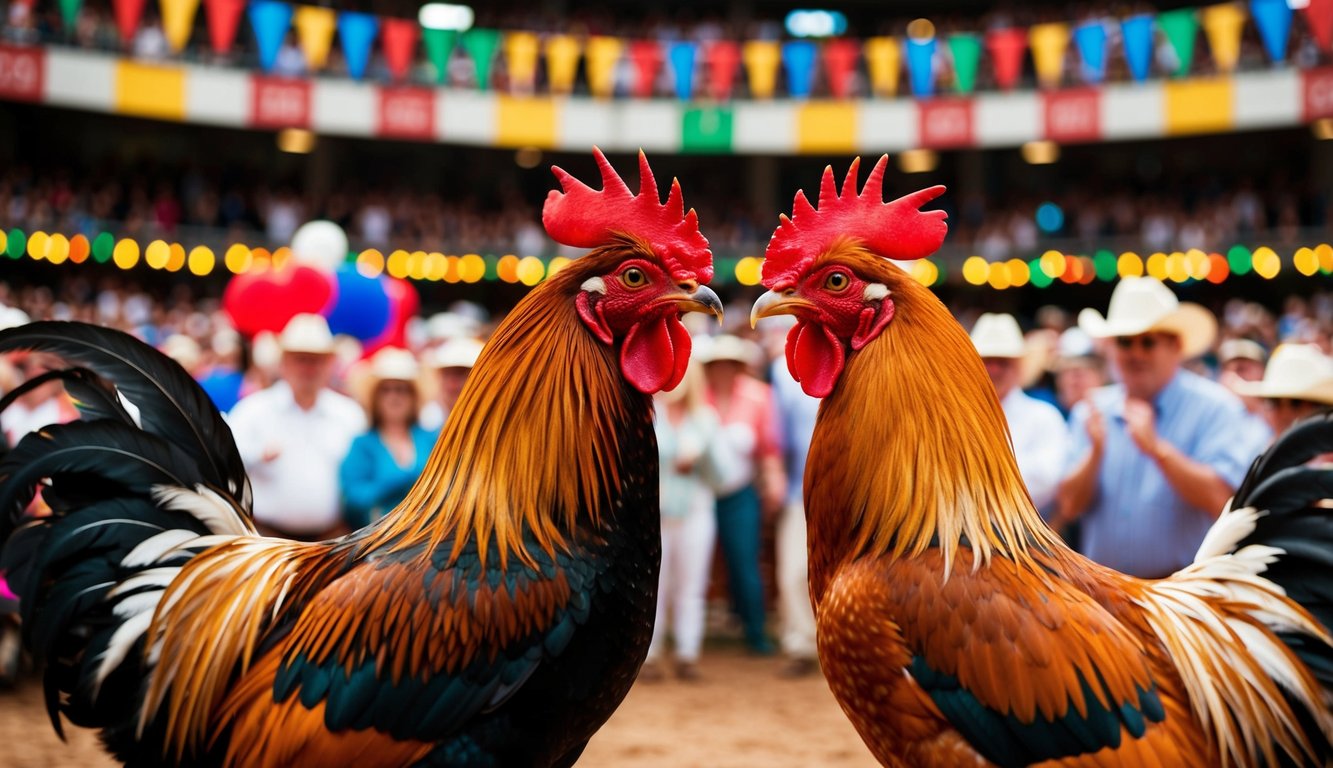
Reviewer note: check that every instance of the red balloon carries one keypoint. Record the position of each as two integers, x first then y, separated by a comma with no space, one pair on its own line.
404,302
266,300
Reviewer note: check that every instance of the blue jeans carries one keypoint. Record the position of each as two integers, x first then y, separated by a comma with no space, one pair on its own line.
738,518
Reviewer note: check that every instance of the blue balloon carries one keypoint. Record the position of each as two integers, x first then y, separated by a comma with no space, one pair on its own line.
361,308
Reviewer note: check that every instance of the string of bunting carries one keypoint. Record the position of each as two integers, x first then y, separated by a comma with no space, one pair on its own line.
1048,269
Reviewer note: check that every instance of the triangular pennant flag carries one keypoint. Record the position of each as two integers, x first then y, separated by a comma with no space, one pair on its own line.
128,13
724,58
1049,42
966,51
224,18
1006,47
399,37
883,62
562,62
521,52
1273,18
356,32
1223,25
1180,26
921,65
314,31
798,57
1137,33
439,47
682,55
603,54
1090,39
1319,15
270,20
762,58
646,57
481,44
178,21
69,13
840,58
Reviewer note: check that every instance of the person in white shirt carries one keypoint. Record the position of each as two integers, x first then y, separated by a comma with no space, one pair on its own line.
293,436
1038,430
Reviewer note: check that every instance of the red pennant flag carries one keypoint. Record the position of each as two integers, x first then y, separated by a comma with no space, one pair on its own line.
646,56
1319,15
128,13
723,57
400,44
1007,47
840,59
224,18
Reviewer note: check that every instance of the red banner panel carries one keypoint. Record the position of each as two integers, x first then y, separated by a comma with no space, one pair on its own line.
946,123
1072,115
278,102
22,73
1317,93
406,113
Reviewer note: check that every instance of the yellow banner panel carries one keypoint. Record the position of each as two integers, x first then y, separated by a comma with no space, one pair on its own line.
1199,106
150,91
525,122
826,126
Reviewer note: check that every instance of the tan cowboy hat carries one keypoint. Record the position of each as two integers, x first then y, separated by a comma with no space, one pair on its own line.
459,352
388,364
1144,304
1296,371
712,349
998,335
307,333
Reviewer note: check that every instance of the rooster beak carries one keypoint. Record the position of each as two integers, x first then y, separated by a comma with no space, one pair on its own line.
702,299
774,303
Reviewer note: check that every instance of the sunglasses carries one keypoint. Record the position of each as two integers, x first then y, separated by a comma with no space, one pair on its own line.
390,388
1147,341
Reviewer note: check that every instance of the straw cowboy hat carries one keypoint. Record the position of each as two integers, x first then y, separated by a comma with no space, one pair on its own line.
712,349
388,364
459,352
1297,372
307,333
997,335
1145,304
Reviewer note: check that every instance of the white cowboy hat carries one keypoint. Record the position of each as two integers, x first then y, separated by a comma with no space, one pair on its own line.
460,352
1144,304
307,333
997,335
394,364
1296,371
712,349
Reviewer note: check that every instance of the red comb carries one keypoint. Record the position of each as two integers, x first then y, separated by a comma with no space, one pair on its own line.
896,230
584,218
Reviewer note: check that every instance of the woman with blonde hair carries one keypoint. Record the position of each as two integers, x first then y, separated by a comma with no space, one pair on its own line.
383,462
695,461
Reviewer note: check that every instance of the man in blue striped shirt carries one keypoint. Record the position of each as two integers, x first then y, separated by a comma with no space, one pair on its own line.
1155,457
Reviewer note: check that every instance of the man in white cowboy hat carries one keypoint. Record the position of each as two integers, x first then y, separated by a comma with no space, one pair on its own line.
1156,456
1037,429
293,436
1297,382
451,362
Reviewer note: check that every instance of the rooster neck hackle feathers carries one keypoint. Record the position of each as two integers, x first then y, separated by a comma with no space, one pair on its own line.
905,483
540,419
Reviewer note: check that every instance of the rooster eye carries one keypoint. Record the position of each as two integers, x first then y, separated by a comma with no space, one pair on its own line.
633,278
837,281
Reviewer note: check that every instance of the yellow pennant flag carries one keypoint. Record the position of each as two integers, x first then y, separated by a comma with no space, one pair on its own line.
1223,25
1048,42
314,30
178,21
761,59
521,50
562,62
603,54
883,61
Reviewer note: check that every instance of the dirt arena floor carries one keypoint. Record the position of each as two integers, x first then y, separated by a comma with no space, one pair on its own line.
740,713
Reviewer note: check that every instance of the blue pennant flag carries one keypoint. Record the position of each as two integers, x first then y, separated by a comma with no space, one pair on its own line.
1137,31
270,20
357,32
1091,41
798,56
1273,18
920,64
682,55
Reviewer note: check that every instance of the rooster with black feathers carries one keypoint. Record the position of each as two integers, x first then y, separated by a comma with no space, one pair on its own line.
496,617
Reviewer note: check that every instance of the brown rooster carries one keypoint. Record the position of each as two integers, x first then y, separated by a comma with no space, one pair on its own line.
496,617
955,628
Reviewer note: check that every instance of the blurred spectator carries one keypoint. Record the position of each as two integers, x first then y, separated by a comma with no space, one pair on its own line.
40,406
695,460
1078,369
745,406
1036,428
1156,456
294,435
451,362
1297,383
382,464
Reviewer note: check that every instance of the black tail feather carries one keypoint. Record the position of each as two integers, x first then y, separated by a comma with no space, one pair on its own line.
171,404
1305,440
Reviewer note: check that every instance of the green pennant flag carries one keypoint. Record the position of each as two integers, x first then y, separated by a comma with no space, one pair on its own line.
966,50
69,12
1181,27
481,45
439,47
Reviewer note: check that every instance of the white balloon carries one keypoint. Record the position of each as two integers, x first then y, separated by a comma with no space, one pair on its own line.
320,244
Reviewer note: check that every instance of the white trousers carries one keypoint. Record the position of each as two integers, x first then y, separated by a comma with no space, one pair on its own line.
798,618
682,590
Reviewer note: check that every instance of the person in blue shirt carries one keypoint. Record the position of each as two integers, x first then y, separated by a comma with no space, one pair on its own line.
1155,457
383,463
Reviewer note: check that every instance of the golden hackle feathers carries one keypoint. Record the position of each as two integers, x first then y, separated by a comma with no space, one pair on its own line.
532,442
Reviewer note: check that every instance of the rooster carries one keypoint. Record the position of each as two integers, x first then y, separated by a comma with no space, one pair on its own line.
496,617
954,627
